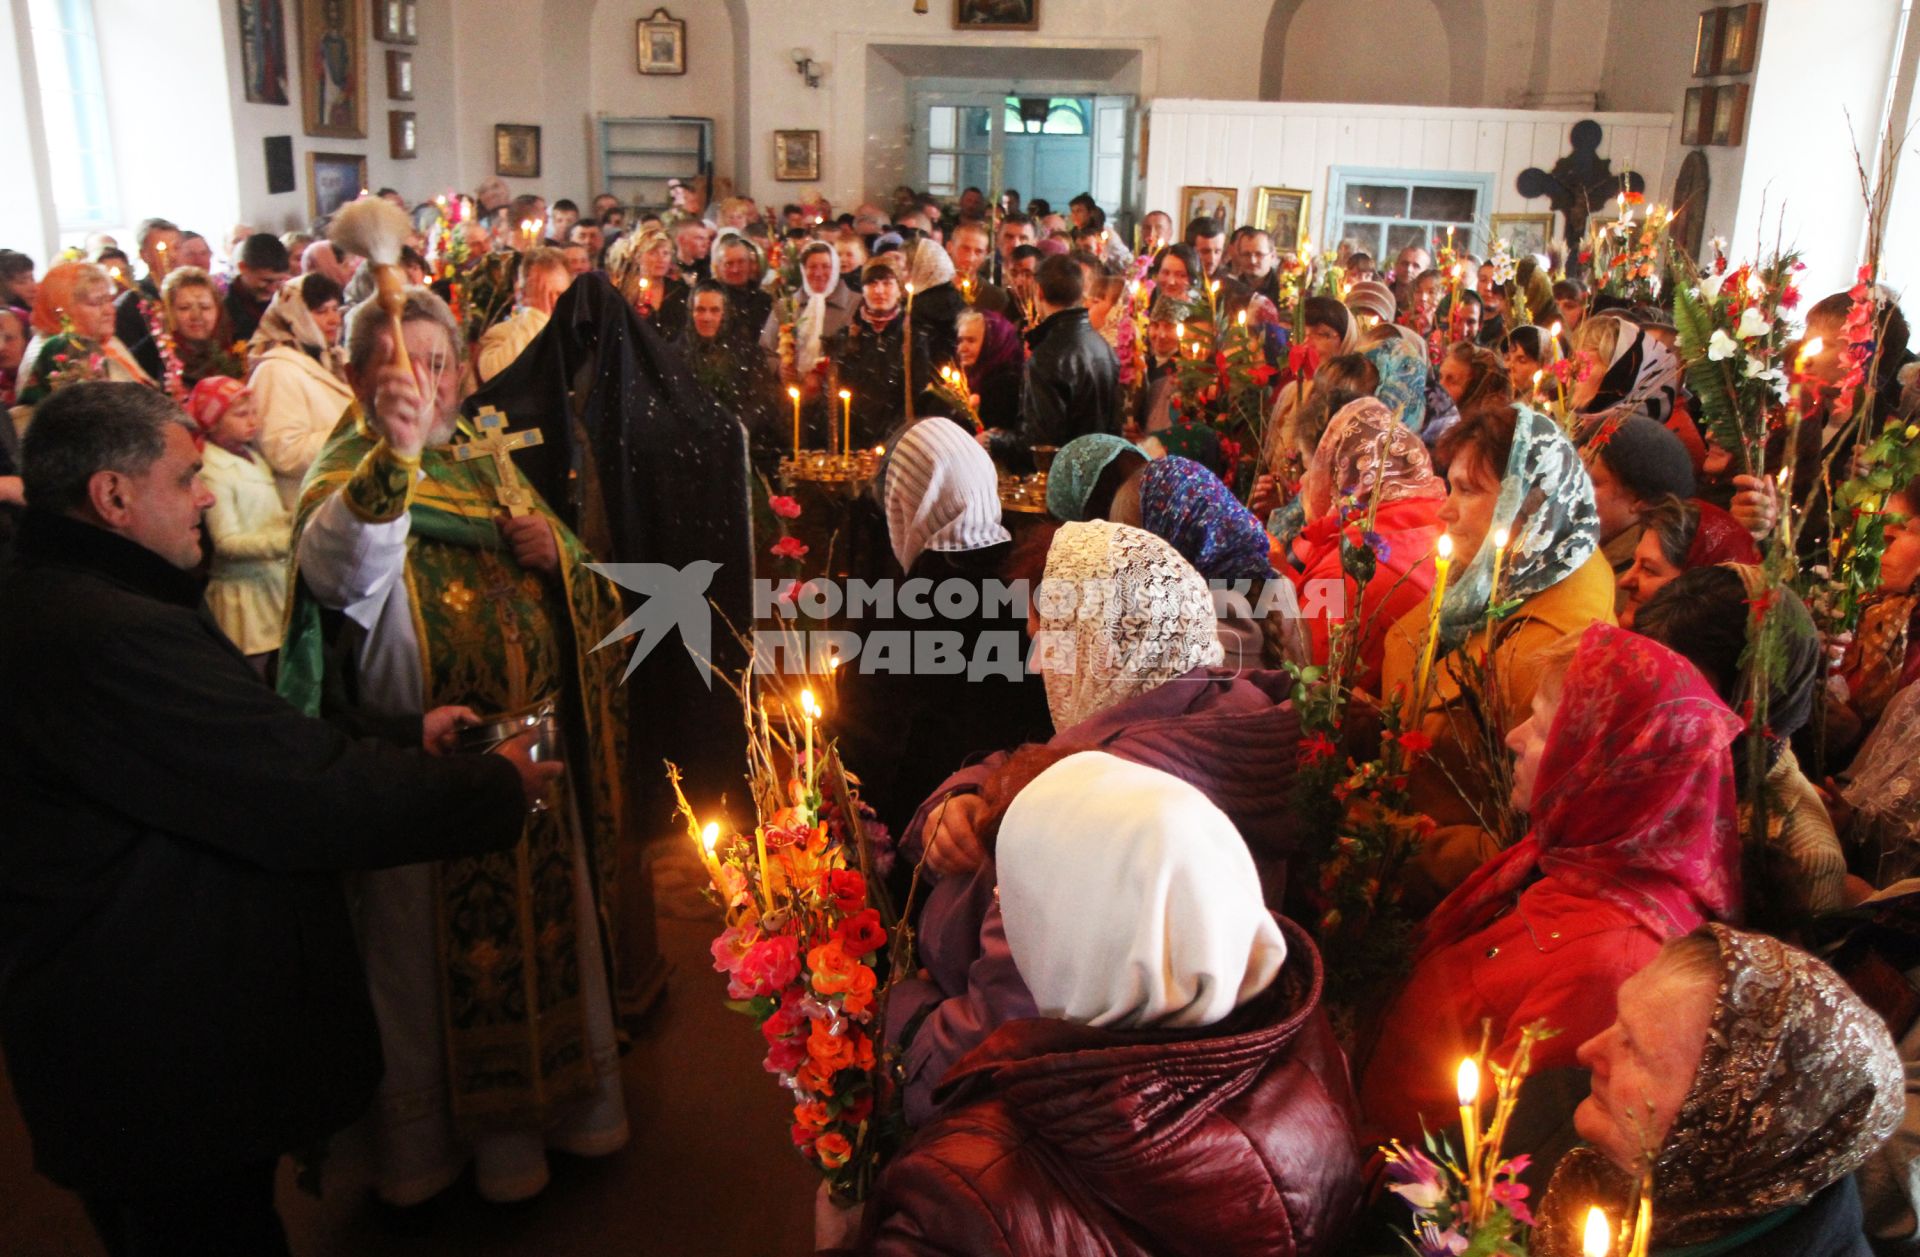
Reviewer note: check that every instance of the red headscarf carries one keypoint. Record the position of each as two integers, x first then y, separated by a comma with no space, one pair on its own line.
1635,802
1719,539
210,399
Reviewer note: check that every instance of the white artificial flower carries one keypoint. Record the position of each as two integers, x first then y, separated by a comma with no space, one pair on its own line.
1757,370
1753,322
1710,286
1721,346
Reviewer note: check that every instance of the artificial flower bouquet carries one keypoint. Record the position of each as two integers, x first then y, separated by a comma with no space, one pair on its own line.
809,943
1733,340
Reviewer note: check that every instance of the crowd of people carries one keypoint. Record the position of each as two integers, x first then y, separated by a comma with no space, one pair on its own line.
1120,1036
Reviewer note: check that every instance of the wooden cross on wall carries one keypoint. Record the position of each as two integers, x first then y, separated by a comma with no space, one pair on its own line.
497,443
1578,182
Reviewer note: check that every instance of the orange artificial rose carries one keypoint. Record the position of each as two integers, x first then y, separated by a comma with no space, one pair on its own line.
834,1150
859,993
832,968
831,1052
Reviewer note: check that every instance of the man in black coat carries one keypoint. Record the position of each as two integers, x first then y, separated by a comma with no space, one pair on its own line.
1073,377
181,1000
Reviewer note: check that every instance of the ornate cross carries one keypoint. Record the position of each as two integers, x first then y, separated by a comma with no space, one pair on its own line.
497,443
1578,182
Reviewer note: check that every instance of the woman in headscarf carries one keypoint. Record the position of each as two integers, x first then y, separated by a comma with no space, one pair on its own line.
1797,870
1630,374
1515,472
1125,640
1881,794
297,375
1192,509
1088,473
905,727
73,340
1624,771
1402,364
994,359
1756,1081
1171,1085
250,529
1884,656
1364,449
936,302
1331,332
798,351
1678,536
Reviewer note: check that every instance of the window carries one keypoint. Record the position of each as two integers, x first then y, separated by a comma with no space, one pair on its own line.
1044,115
73,104
959,148
1383,212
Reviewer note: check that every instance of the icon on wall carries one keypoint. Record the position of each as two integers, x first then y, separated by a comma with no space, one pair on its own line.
333,179
796,155
263,51
333,100
996,15
662,44
516,150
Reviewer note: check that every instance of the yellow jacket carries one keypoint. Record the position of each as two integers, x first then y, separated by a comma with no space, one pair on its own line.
1461,843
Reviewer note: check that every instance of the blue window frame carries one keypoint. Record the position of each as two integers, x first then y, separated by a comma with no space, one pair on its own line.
1384,211
73,107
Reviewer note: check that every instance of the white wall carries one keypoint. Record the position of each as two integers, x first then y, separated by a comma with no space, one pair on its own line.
1389,52
26,212
1245,144
706,90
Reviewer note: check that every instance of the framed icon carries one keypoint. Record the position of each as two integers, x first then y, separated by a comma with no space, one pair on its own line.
1696,116
661,40
1282,214
410,22
1220,204
263,51
796,155
1730,114
1739,38
389,20
1525,234
332,72
402,135
996,15
333,179
516,150
399,75
1706,43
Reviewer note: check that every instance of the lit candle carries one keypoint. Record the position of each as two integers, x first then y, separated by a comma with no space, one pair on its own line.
708,837
809,709
1441,564
909,298
1536,384
1243,318
1500,539
1467,1082
1598,1239
1642,1223
846,417
1553,343
794,393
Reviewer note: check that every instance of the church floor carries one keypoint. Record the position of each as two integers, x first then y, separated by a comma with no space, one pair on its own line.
709,1172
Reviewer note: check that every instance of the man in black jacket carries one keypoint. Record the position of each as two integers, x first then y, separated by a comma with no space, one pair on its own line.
1073,378
181,1000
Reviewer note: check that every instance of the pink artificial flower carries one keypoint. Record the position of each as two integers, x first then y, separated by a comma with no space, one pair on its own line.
769,965
784,507
789,548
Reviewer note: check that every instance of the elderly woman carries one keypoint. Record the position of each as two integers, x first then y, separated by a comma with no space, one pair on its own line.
1756,1082
1518,475
250,528
1067,1131
1677,537
73,338
908,728
298,378
1631,374
1364,452
1624,771
994,360
1088,474
824,308
1797,869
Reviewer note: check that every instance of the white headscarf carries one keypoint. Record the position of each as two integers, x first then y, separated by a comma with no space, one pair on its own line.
1130,900
928,266
942,492
812,323
1121,613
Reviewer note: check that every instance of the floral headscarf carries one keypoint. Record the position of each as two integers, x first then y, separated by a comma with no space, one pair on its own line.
1076,469
1718,538
289,322
1348,456
1799,1083
1634,803
1193,510
1121,614
1197,441
1642,379
1546,504
942,493
1403,380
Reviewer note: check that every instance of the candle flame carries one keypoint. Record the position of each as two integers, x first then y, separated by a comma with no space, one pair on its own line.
1599,1234
846,395
833,662
1445,545
793,393
807,704
1243,318
1554,331
1468,1081
1501,537
1809,350
709,836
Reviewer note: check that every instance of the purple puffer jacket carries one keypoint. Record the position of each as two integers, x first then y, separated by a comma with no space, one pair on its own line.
1232,737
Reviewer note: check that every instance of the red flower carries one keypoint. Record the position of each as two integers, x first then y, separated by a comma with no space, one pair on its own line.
1789,297
862,933
1261,375
1415,742
1317,748
789,548
769,965
834,1149
848,890
1636,198
784,507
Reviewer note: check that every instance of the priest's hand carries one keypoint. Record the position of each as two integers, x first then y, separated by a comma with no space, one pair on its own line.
1756,504
532,542
953,845
403,405
440,728
536,777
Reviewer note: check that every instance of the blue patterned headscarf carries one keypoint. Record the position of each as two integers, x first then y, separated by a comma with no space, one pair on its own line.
1546,504
1403,380
1197,514
1076,469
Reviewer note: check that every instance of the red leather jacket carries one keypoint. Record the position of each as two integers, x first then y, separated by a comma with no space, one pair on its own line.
1063,1138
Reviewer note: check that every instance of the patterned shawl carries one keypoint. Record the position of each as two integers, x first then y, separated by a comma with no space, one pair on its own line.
1403,380
1348,456
1799,1083
1546,504
1121,613
289,322
1076,469
1189,507
1634,804
1642,379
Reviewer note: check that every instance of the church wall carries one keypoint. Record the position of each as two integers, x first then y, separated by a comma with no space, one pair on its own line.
1384,51
706,90
1246,144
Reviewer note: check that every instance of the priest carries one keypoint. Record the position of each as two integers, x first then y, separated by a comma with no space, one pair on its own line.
424,578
